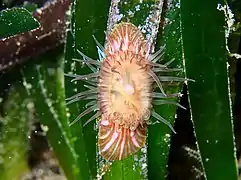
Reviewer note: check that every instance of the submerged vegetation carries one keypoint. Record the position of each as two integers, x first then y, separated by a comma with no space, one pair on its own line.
49,123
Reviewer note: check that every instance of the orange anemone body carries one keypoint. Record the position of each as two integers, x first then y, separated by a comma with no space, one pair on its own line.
124,93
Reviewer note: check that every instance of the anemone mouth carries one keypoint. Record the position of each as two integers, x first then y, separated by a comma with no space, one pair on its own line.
125,88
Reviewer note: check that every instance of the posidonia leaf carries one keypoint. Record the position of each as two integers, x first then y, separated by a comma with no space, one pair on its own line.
159,136
88,18
206,62
18,113
151,161
16,20
140,14
44,83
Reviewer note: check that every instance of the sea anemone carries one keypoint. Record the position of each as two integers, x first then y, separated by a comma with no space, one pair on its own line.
121,90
